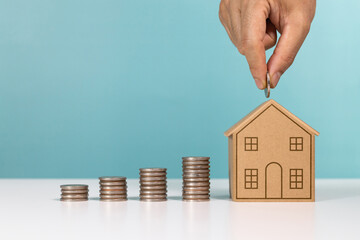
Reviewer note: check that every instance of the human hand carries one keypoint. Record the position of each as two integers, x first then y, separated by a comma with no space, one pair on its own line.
252,25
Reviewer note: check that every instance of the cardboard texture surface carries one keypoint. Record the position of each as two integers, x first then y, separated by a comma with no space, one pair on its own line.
271,156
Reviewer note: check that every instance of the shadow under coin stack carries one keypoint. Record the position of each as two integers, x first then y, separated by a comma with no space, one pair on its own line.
74,192
113,189
153,186
196,178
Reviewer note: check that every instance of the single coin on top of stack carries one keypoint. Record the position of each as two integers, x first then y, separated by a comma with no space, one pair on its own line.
74,192
153,186
196,178
113,188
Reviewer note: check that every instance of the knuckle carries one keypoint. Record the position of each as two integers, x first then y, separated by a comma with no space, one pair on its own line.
247,45
288,59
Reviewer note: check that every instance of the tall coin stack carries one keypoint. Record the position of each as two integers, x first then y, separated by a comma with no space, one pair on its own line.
153,186
113,188
196,178
74,192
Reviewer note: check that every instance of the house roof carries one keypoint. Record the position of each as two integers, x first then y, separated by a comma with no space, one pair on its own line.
253,114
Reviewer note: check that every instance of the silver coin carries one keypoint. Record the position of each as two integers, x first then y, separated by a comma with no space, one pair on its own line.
142,187
74,186
113,199
185,170
267,87
159,196
113,188
196,200
73,199
102,196
196,175
162,183
153,200
152,169
196,179
112,183
195,167
74,191
112,178
152,174
195,163
158,192
67,196
195,192
196,184
195,158
193,196
189,189
152,178
113,192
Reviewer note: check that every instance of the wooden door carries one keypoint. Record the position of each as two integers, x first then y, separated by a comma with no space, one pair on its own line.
273,180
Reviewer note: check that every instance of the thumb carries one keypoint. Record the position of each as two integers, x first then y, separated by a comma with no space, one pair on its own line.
290,41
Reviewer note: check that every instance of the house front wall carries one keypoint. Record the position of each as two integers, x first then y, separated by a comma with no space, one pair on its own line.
267,169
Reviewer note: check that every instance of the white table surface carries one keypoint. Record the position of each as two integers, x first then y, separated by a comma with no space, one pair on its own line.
30,209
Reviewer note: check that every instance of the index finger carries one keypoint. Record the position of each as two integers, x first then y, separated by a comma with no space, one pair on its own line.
253,29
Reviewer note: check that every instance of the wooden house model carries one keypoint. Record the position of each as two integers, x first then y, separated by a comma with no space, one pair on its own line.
271,156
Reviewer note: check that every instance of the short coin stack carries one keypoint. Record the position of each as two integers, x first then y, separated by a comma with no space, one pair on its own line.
153,186
113,188
196,178
74,192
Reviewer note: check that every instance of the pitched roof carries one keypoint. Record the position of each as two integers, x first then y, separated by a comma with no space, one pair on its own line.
253,114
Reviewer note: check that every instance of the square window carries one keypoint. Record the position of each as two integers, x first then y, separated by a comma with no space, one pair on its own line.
251,143
296,178
251,178
296,143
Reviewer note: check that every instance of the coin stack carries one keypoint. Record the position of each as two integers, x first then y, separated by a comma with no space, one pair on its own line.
153,184
74,192
113,188
196,178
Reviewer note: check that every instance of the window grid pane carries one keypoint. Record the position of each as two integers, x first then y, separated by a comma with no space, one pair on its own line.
296,179
296,143
251,143
251,178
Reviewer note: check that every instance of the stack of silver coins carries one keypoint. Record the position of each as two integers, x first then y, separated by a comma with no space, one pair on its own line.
113,188
74,192
153,186
196,178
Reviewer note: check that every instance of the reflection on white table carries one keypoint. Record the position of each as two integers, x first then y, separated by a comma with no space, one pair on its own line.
30,209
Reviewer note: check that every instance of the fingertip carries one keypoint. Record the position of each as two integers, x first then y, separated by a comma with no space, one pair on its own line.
260,84
274,79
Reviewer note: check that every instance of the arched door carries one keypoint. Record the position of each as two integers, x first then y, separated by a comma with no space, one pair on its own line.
273,180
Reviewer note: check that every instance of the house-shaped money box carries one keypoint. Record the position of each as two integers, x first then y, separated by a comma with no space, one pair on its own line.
271,156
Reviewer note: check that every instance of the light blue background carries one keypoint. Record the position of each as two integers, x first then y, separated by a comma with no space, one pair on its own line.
90,88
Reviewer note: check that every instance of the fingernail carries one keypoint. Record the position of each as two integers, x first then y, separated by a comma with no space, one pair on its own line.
275,79
259,83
